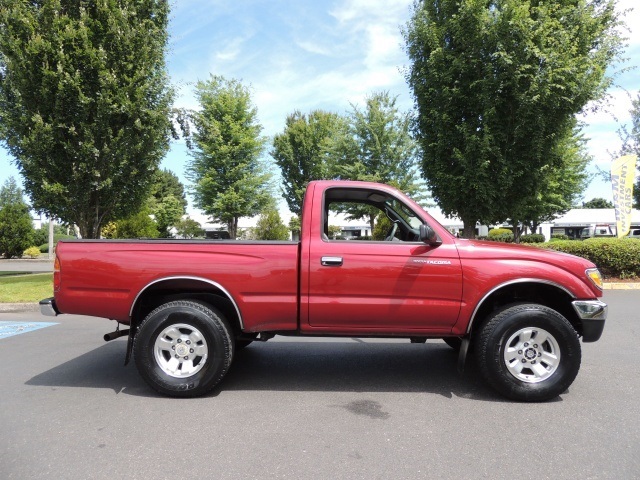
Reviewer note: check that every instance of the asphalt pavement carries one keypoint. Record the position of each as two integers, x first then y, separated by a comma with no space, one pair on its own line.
310,409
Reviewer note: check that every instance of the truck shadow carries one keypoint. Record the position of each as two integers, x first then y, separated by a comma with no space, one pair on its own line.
99,368
296,366
354,367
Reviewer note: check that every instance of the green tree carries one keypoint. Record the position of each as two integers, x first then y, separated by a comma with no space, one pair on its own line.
188,228
295,224
301,152
497,84
167,213
597,203
167,200
229,180
378,147
16,225
85,103
270,226
166,184
560,186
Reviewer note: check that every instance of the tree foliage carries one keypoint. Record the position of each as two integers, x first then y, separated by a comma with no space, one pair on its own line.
84,103
229,179
270,226
497,84
138,225
301,152
16,226
560,185
166,184
188,228
167,201
378,147
597,203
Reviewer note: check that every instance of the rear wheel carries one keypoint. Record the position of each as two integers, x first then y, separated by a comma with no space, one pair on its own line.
528,352
183,348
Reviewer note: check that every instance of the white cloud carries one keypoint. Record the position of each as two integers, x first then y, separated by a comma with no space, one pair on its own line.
614,109
361,10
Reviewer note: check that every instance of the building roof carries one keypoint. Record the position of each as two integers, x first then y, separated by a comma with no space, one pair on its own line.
580,217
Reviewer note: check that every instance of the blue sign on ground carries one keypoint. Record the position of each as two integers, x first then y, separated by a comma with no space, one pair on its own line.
9,329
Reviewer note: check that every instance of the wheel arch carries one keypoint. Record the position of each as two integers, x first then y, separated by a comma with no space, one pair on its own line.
542,292
167,289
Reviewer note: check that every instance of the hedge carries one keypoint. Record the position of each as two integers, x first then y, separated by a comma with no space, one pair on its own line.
500,235
532,238
45,248
614,257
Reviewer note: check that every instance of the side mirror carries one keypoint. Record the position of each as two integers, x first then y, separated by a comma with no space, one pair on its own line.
429,236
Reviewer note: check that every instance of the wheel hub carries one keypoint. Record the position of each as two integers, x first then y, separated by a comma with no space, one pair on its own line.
181,350
531,355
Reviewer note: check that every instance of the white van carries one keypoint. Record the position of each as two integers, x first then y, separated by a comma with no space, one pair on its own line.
597,230
634,232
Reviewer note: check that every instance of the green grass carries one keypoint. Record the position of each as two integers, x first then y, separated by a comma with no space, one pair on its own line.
26,288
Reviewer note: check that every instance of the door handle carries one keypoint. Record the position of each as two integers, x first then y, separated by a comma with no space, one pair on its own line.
331,261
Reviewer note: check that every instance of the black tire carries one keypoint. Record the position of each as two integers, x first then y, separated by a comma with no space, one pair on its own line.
542,355
183,348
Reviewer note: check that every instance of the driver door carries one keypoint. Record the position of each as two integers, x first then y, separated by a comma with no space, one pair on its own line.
373,286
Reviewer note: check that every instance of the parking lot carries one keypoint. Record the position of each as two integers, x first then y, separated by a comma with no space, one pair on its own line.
311,408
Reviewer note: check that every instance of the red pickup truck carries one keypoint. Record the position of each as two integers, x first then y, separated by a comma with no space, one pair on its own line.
190,305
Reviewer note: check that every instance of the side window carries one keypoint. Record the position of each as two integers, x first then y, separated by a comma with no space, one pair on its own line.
353,221
368,215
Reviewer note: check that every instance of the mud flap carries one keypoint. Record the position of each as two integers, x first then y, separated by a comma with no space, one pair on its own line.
129,346
462,354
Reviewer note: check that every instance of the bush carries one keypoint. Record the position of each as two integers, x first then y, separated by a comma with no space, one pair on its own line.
16,229
532,238
56,238
614,257
559,236
33,252
500,235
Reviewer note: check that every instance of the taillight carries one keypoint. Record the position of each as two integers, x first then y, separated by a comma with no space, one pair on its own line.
56,275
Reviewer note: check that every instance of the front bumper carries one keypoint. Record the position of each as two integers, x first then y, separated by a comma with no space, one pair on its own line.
48,307
593,314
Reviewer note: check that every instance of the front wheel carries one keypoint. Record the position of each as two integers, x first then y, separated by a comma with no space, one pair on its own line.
183,348
528,352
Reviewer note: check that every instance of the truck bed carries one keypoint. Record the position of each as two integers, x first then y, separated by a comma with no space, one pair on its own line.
104,277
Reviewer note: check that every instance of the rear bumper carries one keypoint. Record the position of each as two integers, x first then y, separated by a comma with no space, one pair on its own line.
593,314
48,307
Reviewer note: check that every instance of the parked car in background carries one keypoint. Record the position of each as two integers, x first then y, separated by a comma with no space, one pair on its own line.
634,232
597,230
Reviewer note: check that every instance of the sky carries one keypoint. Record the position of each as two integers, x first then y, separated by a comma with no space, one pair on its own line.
307,55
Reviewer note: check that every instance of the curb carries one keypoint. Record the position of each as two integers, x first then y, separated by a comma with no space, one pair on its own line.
19,307
622,286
